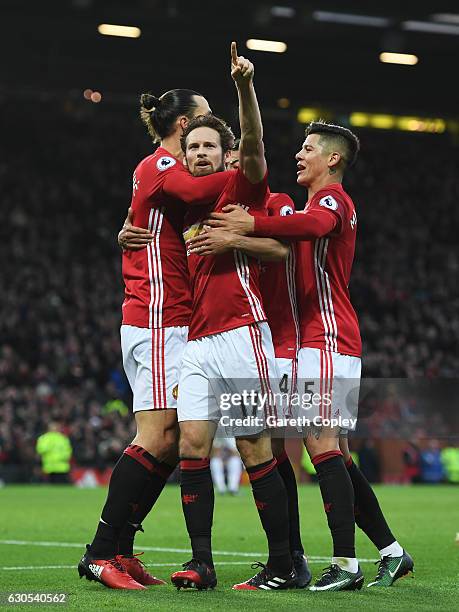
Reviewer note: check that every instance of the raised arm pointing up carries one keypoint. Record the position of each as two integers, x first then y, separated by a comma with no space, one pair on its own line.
252,151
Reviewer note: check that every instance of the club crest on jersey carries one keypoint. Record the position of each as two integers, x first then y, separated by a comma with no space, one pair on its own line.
329,202
164,163
286,210
192,231
175,392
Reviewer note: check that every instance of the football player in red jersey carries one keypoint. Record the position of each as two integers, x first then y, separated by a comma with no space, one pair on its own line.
278,290
229,351
330,349
279,300
156,313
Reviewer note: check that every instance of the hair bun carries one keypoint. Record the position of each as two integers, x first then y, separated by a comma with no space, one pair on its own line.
149,102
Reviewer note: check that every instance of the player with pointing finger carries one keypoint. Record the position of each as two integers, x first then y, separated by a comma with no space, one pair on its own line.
229,351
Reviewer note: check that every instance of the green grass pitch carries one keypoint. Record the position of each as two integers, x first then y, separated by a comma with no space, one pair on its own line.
42,530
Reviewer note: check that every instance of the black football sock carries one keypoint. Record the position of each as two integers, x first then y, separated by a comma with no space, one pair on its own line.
285,469
368,513
153,489
272,504
198,505
129,478
338,498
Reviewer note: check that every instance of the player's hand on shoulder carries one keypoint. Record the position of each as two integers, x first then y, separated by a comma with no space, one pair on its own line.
242,69
133,238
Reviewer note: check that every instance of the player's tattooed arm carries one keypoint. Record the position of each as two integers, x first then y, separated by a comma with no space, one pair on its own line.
133,238
217,241
251,150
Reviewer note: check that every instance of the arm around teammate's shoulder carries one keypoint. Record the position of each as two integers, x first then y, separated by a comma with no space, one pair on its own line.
308,226
196,190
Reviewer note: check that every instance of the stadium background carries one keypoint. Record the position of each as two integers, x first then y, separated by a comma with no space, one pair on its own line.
71,137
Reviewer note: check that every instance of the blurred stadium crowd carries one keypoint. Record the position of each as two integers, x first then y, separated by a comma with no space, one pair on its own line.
65,176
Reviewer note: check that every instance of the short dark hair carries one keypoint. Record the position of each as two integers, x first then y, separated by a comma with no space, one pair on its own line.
336,134
237,144
160,114
215,123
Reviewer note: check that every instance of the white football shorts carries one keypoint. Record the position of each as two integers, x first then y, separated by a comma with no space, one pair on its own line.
329,384
288,373
218,368
151,360
287,382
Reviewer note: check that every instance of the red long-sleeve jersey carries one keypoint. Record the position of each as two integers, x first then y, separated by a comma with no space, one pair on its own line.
327,232
157,287
278,288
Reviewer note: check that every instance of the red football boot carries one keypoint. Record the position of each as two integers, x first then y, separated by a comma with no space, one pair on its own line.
136,569
108,572
195,575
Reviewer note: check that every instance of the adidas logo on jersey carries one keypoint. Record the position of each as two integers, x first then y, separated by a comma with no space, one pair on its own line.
96,569
135,184
353,220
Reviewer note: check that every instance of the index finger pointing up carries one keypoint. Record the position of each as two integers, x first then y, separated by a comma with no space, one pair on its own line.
233,53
